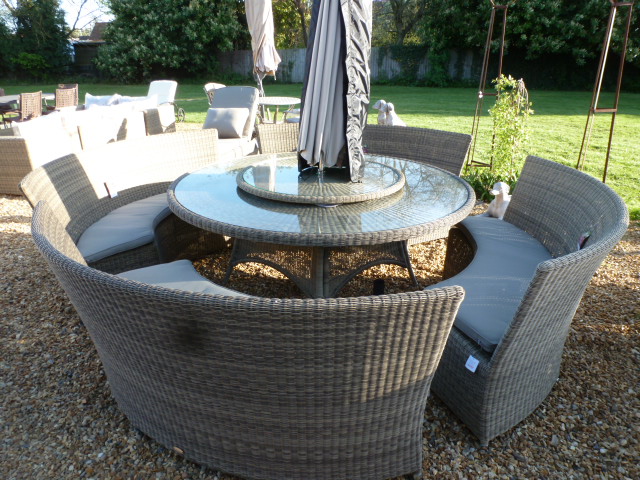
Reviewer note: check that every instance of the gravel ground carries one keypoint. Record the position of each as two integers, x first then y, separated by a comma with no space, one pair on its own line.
59,420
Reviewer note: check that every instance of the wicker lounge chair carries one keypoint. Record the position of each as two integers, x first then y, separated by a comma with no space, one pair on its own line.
446,150
278,137
555,206
210,89
259,387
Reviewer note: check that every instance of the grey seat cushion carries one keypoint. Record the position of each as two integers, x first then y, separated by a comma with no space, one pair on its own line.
496,280
124,228
179,275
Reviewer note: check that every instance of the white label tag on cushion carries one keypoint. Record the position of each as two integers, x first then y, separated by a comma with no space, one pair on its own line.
472,363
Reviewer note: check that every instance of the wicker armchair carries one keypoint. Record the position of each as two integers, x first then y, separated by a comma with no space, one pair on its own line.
72,86
278,137
446,150
556,205
30,108
66,96
259,387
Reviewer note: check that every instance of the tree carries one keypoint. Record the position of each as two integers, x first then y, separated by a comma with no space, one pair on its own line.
407,14
40,42
175,38
535,27
85,14
291,19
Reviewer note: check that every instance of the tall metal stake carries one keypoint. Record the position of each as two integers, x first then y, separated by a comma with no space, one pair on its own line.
598,86
483,81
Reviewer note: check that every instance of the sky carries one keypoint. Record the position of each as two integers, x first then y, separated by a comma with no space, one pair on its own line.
91,11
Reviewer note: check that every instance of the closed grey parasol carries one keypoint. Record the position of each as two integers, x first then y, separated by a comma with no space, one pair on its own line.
336,90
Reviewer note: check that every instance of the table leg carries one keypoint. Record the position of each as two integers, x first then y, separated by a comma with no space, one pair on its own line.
320,268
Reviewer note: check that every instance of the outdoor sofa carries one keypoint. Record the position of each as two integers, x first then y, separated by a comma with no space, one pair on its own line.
30,144
524,278
261,387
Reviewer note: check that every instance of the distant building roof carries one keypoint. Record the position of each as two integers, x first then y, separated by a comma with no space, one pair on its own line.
98,32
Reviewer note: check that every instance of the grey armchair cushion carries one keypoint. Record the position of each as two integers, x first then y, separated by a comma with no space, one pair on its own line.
496,280
239,97
179,275
124,228
229,122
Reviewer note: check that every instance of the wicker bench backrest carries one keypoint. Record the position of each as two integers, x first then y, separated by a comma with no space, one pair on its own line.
74,186
278,137
446,150
557,205
265,388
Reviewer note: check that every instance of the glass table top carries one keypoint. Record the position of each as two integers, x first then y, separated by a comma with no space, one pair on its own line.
429,196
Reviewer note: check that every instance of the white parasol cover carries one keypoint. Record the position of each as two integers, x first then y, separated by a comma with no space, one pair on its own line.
260,22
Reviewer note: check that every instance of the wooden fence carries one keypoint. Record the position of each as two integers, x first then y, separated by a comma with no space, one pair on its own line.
385,63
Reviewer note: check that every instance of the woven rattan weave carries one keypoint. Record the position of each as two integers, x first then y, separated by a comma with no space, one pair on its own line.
263,388
556,205
446,150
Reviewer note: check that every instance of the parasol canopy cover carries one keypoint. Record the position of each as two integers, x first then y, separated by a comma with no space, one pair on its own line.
260,22
336,91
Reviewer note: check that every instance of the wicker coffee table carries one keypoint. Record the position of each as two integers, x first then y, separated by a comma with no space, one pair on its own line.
320,246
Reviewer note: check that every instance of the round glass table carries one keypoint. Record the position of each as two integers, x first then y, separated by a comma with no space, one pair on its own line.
320,246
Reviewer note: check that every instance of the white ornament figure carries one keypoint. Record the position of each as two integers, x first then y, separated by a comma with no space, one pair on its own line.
381,106
392,117
499,205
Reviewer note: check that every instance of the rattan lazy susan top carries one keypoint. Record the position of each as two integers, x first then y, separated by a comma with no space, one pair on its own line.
430,200
279,179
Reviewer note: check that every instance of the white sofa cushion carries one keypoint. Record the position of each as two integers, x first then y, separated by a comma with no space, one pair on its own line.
178,275
230,148
124,228
100,100
47,137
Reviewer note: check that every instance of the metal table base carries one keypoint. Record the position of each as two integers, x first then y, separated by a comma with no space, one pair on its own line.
320,272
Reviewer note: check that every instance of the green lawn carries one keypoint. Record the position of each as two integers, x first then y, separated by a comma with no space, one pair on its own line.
556,128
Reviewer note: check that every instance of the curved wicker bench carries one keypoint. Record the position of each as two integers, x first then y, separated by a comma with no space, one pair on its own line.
259,387
525,281
445,150
100,187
